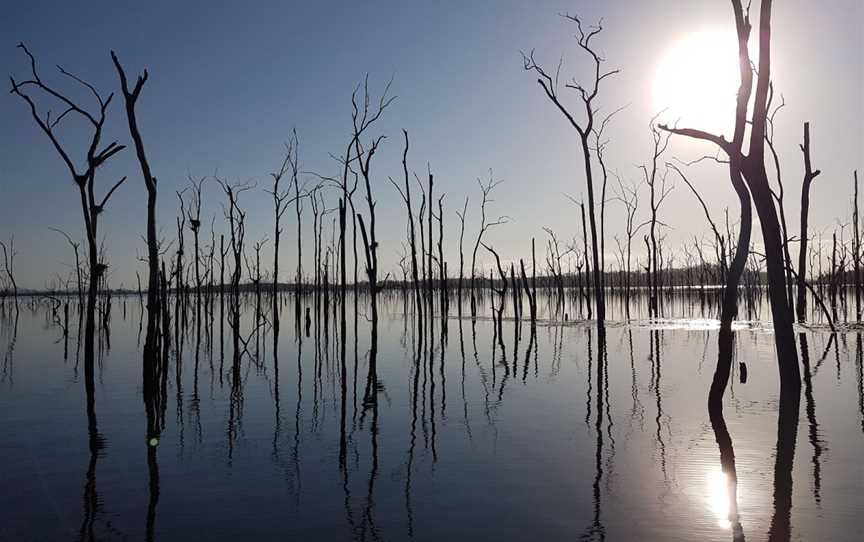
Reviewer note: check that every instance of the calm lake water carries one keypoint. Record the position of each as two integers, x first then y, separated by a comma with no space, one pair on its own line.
473,436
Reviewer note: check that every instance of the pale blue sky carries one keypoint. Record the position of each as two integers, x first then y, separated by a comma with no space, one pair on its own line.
228,81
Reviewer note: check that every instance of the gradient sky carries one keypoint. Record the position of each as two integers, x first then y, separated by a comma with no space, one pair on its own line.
228,81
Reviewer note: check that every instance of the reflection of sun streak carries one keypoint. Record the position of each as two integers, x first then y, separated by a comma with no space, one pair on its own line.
719,496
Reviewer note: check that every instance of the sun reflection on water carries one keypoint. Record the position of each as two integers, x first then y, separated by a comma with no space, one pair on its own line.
718,496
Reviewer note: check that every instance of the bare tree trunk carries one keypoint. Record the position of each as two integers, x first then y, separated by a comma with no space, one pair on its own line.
441,265
150,183
461,254
9,267
809,175
587,266
856,248
752,167
430,280
729,308
584,130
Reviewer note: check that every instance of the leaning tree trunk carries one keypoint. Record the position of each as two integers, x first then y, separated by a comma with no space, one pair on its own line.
729,308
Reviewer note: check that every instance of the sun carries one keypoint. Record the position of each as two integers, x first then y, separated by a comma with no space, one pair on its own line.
697,80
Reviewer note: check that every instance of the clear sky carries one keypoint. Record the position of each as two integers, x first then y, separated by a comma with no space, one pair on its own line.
228,81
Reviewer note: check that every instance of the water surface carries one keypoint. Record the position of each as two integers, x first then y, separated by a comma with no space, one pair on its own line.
463,435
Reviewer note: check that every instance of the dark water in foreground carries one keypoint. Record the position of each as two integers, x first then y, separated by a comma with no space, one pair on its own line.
473,437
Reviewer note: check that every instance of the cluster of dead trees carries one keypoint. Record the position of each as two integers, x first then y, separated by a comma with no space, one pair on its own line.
225,269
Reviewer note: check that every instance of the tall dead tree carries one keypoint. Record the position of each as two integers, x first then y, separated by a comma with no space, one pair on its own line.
412,237
584,129
809,175
298,212
751,167
430,279
193,212
237,230
362,117
486,190
629,197
856,247
779,193
657,190
461,215
150,183
9,266
530,291
370,243
599,149
442,268
281,201
84,178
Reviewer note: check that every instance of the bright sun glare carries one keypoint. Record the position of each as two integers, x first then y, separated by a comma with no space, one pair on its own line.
718,497
697,80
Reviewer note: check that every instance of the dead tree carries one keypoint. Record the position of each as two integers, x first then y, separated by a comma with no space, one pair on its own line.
237,230
298,212
150,182
657,190
9,266
718,237
599,149
430,280
486,190
442,273
629,197
84,179
809,175
531,291
751,167
585,259
461,215
362,118
193,213
317,205
80,283
178,271
779,194
412,237
370,243
553,261
502,292
856,247
584,129
281,201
